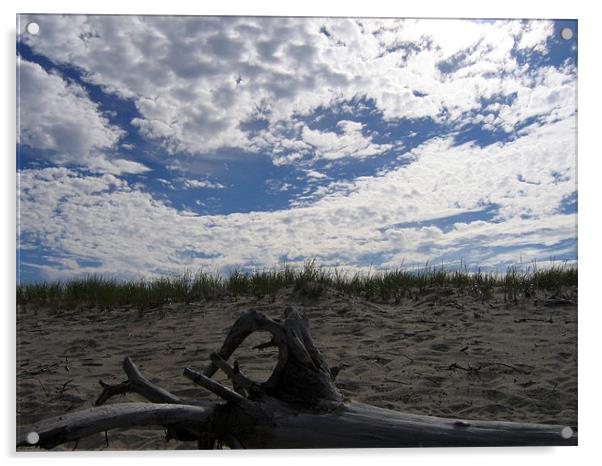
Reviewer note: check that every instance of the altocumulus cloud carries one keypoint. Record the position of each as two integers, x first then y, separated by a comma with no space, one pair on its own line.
222,90
183,73
125,230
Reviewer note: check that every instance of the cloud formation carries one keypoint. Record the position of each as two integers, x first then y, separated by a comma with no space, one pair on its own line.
58,118
196,81
305,97
126,230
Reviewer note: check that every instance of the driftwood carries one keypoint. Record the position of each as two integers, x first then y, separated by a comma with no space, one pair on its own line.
299,406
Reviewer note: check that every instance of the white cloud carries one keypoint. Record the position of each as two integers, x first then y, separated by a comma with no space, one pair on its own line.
59,117
315,174
350,143
549,94
193,184
196,80
102,218
535,35
102,164
276,186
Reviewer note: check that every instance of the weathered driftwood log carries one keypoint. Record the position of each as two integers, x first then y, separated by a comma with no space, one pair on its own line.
299,406
79,424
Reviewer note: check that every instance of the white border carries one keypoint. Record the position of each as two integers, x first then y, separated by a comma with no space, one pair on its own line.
424,8
589,224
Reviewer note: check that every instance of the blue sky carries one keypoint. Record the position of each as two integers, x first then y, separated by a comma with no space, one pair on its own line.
153,145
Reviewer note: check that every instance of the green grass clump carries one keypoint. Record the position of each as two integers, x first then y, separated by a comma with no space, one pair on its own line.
387,285
528,281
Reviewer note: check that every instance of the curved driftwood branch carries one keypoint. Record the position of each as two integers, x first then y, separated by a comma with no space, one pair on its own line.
250,322
137,383
298,407
301,376
73,426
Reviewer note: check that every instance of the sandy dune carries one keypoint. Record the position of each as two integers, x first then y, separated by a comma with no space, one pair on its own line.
442,354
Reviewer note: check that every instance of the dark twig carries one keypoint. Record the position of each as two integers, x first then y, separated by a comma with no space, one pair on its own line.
548,321
63,388
43,388
267,344
508,366
38,371
455,365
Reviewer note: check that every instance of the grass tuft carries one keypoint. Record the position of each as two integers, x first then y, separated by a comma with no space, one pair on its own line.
396,284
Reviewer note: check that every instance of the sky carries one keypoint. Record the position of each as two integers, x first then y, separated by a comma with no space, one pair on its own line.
151,145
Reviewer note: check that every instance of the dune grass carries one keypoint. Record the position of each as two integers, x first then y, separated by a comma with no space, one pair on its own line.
389,285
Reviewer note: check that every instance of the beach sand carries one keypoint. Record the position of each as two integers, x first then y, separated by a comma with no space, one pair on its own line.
442,353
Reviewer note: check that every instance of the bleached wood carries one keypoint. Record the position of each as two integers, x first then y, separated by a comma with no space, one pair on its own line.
234,374
214,387
79,424
137,383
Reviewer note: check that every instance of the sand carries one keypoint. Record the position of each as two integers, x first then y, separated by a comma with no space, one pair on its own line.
443,354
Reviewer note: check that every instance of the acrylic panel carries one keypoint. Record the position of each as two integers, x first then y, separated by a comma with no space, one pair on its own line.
268,232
